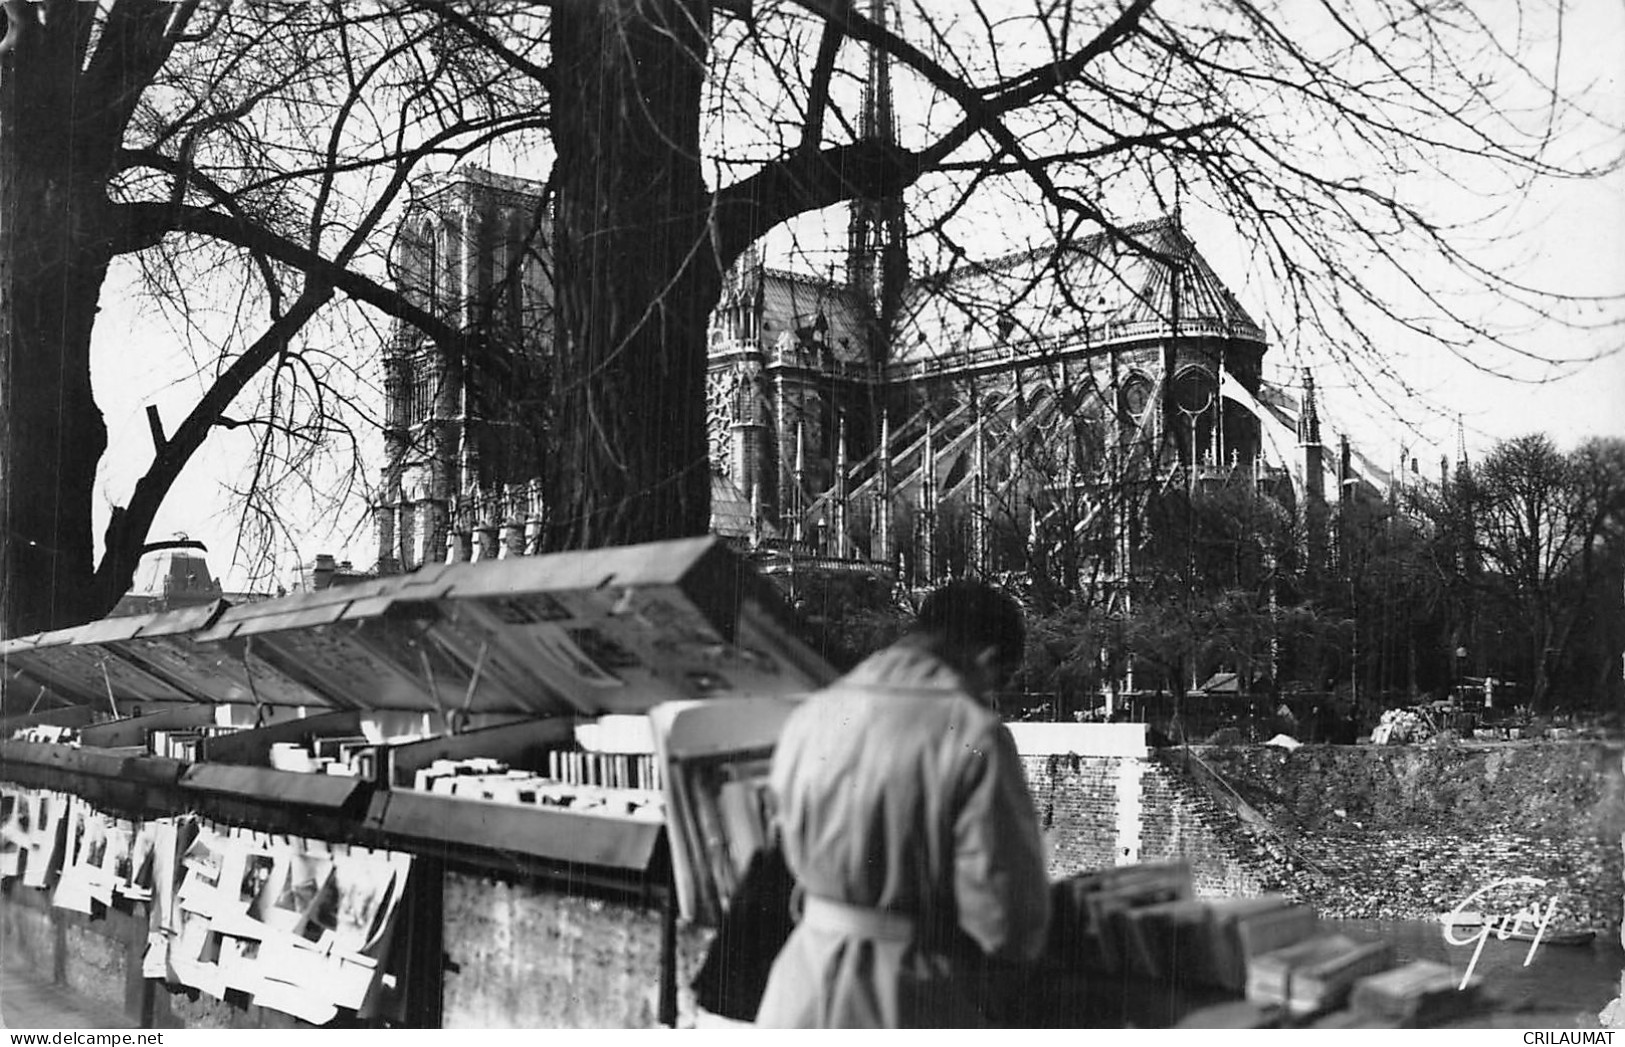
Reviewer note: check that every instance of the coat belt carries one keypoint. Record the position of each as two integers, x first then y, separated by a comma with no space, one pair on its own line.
826,914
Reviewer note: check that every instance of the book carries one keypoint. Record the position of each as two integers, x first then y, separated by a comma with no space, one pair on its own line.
1314,974
1120,890
1168,941
1260,933
1084,930
1224,963
1269,976
1326,985
1417,993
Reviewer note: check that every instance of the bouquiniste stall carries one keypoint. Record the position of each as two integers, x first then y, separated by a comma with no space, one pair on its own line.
279,801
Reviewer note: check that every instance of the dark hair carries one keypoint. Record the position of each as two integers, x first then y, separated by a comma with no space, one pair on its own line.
968,616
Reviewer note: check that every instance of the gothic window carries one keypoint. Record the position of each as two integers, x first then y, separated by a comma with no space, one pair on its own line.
417,272
473,276
512,272
499,255
1193,390
424,386
1135,396
447,286
1088,436
1194,396
396,376
811,419
747,400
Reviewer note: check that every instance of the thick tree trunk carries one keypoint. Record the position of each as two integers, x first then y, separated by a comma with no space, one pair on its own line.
51,431
636,273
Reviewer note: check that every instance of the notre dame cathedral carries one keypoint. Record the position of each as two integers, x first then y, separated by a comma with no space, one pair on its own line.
1004,386
911,425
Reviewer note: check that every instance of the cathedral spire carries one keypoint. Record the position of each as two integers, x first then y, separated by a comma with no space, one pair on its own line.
1309,417
877,250
1314,475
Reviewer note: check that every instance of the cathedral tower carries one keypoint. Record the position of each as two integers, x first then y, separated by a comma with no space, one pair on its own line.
462,436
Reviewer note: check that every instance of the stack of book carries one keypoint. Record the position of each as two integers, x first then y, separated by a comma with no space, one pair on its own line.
1254,935
1316,974
1091,928
1243,928
1167,941
481,778
1210,942
1418,993
183,744
349,756
607,769
1142,921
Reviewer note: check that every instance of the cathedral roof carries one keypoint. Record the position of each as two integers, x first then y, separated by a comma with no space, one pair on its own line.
792,304
1098,290
732,515
472,185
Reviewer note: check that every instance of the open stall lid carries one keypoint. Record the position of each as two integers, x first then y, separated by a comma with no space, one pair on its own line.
215,672
82,664
583,633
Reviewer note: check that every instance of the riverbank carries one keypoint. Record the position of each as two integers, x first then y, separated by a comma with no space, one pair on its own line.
1409,832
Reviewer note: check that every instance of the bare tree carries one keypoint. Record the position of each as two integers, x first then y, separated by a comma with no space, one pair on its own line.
680,132
252,151
1324,136
1541,521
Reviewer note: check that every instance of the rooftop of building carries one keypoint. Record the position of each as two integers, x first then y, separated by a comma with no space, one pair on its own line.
471,180
1098,289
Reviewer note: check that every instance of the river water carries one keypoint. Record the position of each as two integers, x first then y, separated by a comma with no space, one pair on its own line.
1577,981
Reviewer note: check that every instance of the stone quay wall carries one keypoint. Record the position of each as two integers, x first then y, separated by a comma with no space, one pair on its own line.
1395,832
1412,831
527,956
1355,831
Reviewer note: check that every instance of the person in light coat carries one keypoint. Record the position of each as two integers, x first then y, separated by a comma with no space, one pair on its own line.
906,819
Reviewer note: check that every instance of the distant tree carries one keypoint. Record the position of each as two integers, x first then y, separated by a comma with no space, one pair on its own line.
1544,527
1596,671
1213,587
1401,586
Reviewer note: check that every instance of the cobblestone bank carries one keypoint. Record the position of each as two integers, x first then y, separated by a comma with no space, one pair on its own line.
1407,832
